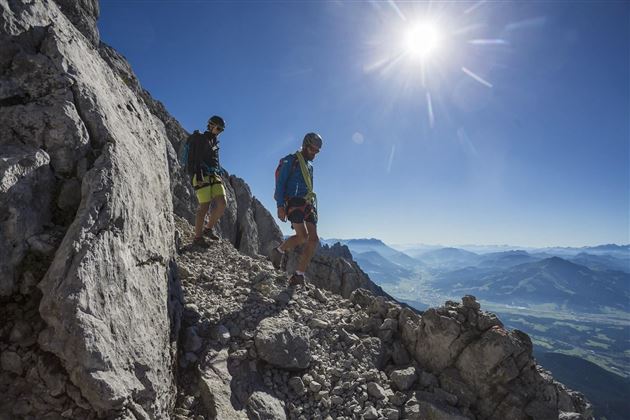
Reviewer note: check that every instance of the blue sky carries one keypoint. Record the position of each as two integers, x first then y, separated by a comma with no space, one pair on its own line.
518,133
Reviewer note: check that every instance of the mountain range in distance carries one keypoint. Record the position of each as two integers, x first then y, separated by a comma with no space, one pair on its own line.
602,257
588,279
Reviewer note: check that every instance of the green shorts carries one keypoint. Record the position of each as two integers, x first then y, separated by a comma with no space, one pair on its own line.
210,188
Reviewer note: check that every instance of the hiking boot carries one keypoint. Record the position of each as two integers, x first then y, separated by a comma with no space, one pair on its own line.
276,258
200,242
210,234
296,280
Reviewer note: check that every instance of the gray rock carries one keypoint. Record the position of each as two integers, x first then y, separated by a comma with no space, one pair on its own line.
315,386
470,301
370,413
391,413
427,379
26,183
53,374
263,406
11,362
371,349
436,411
376,391
21,332
69,196
222,334
318,323
123,228
283,343
297,385
215,390
400,356
192,342
404,379
440,340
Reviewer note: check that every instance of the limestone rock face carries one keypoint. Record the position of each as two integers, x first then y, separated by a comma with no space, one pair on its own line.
25,199
74,146
246,223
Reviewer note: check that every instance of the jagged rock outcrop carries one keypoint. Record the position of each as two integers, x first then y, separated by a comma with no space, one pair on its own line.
369,357
333,268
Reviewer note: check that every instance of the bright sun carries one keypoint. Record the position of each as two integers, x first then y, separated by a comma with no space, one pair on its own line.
422,40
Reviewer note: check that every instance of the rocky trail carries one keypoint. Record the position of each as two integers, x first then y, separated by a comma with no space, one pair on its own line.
254,348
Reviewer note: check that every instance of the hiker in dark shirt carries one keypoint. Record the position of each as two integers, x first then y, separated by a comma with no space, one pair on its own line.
206,178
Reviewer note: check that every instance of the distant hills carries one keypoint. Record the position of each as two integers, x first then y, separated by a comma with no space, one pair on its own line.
589,279
548,281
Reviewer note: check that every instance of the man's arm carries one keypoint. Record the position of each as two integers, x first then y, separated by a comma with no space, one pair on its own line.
281,186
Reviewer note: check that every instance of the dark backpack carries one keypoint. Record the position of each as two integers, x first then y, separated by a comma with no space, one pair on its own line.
294,164
185,156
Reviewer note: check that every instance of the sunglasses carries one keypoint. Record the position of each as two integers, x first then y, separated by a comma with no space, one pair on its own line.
313,149
212,126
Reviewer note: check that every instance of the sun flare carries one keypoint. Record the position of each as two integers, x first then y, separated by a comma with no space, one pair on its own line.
422,40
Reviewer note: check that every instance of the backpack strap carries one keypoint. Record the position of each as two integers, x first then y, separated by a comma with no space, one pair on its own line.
311,197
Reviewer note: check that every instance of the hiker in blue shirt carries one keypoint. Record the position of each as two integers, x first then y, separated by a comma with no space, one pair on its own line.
296,202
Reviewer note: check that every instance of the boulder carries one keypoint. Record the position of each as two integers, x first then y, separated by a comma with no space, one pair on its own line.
263,406
283,343
403,379
215,390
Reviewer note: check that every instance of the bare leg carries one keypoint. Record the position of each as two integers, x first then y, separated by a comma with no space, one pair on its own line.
299,238
218,208
309,248
200,216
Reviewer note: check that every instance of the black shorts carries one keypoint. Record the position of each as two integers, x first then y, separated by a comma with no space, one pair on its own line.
299,211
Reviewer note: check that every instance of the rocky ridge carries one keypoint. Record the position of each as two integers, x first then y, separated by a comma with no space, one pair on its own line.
255,348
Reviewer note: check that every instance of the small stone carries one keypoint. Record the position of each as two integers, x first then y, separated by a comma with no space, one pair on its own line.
319,295
336,400
470,301
297,385
315,386
391,413
375,390
318,323
404,379
222,334
370,413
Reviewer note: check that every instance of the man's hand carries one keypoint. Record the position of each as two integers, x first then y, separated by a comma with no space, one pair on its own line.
282,214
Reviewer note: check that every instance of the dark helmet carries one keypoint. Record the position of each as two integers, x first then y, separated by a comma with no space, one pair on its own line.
312,139
218,121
